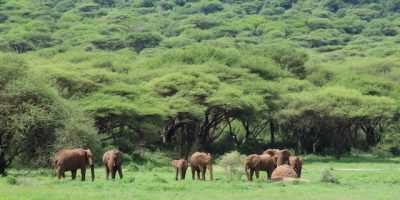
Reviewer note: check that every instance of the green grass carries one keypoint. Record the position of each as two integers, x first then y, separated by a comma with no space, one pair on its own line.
359,178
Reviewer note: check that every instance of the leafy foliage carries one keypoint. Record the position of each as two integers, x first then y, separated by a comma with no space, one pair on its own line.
316,76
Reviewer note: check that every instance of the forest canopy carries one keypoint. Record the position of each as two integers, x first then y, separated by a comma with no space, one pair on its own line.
179,75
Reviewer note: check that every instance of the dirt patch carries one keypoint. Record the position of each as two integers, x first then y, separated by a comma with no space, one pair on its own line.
356,169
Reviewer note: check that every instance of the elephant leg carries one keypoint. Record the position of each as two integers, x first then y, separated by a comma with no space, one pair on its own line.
257,171
120,172
198,174
203,173
251,174
269,173
113,172
176,173
193,172
183,174
59,173
83,173
107,173
73,174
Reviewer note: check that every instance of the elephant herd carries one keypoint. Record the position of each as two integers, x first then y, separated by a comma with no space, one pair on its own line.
277,163
74,159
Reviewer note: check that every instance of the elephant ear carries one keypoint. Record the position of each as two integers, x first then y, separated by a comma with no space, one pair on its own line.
208,158
275,158
256,160
119,158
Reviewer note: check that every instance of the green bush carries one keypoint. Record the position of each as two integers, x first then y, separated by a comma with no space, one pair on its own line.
328,177
319,23
232,163
140,41
11,180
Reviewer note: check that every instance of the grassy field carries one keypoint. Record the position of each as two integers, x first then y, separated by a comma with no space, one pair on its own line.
359,178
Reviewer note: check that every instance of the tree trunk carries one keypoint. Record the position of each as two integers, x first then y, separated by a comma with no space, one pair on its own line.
272,130
297,140
315,145
2,163
371,137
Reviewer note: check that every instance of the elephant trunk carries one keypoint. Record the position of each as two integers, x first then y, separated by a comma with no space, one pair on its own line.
247,172
211,172
92,171
110,165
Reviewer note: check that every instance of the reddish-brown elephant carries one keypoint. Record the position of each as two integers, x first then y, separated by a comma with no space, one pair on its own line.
296,164
72,160
256,163
200,162
281,156
112,161
180,167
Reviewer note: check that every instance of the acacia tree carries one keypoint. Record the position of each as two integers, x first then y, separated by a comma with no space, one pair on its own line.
33,116
125,114
340,110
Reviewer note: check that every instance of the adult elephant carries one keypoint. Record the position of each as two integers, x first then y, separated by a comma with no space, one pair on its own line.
256,163
200,162
112,161
72,160
281,156
296,164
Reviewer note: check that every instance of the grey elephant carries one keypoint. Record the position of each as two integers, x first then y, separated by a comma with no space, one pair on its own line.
72,160
112,161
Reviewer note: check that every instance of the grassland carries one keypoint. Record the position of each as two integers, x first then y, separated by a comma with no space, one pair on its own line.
359,178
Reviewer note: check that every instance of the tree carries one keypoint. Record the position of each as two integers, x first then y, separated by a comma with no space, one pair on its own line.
340,110
290,59
140,41
32,114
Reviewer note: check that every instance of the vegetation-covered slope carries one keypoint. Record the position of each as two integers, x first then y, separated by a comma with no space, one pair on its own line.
315,76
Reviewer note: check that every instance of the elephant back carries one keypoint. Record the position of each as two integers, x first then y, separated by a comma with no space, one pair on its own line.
70,158
252,160
118,154
200,158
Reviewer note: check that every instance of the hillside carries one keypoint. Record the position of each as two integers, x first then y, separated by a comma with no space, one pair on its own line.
314,76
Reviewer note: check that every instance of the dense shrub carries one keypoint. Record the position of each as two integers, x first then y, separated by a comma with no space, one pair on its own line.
140,41
319,23
232,163
328,177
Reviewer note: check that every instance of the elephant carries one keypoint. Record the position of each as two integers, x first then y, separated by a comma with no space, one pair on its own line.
281,156
257,163
200,162
283,171
72,160
112,161
180,167
296,164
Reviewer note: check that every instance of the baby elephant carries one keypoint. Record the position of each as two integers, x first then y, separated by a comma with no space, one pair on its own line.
113,162
180,167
